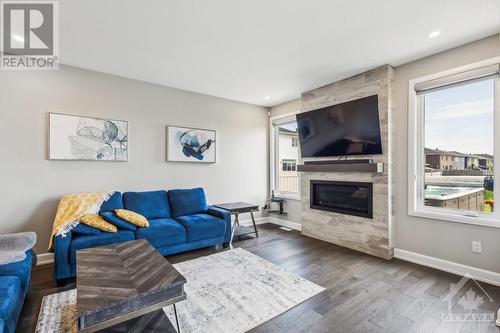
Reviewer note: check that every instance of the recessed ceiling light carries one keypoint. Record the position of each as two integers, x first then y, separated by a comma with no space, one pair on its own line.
434,34
267,98
18,38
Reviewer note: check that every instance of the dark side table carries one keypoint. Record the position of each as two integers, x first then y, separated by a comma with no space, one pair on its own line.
237,208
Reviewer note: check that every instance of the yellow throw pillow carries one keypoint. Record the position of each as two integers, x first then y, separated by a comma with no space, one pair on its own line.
132,217
98,222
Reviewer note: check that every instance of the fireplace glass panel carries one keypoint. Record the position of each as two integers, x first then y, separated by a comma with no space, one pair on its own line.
343,197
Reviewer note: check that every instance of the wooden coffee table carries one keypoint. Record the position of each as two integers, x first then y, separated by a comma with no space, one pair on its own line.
123,288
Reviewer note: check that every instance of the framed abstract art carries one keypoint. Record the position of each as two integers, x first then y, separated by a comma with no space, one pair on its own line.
87,139
187,144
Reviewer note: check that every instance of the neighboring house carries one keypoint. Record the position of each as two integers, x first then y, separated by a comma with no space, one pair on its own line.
458,160
485,161
472,162
444,160
288,141
436,159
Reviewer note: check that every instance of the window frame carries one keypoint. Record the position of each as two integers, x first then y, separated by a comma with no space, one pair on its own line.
274,160
416,136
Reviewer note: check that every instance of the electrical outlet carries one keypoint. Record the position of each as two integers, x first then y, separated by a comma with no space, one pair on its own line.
476,246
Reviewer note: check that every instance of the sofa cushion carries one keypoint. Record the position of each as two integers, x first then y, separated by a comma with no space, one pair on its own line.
85,230
118,222
80,242
202,226
162,232
152,205
10,292
114,202
187,201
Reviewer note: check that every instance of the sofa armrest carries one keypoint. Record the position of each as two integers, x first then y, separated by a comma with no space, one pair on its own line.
62,265
19,242
226,216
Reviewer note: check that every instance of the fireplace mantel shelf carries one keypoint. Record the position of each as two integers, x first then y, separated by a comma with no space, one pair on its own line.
342,167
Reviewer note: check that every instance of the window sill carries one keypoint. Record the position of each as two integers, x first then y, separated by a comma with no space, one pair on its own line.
456,218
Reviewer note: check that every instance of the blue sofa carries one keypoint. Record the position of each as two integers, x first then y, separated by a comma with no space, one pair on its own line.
14,283
179,220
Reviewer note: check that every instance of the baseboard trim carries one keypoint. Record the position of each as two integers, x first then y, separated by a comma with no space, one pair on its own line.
286,223
258,220
44,259
449,266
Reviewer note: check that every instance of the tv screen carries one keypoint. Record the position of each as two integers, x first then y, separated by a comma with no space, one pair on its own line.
350,128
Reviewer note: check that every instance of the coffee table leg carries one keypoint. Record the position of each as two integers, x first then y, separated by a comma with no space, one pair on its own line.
254,225
176,319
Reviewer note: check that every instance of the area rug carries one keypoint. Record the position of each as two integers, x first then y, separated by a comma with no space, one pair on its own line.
232,291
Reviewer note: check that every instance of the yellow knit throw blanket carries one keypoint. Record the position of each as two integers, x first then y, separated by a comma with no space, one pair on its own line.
72,207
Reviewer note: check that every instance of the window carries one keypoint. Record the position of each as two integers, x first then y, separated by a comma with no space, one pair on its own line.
456,115
289,165
286,153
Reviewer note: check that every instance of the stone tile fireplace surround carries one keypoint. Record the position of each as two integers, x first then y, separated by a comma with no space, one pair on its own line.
370,235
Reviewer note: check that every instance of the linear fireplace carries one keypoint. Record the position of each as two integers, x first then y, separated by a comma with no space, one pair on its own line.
353,198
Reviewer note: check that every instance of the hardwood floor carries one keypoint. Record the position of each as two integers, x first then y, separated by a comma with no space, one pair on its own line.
363,293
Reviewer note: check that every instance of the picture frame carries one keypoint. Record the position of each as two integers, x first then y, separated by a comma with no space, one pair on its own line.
190,144
82,138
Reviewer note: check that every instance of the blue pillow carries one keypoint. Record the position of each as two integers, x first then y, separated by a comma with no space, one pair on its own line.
187,201
83,229
114,202
118,222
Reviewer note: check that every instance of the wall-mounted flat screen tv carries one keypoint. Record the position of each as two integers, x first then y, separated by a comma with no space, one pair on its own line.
351,128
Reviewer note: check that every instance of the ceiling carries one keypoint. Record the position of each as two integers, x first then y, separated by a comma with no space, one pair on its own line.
247,50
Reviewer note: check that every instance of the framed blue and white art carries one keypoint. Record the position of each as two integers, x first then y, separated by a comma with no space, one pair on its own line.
80,138
187,144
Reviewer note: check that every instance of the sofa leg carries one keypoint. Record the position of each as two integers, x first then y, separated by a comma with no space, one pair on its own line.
61,283
225,245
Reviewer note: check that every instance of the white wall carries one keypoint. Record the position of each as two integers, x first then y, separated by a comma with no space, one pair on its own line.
440,239
32,185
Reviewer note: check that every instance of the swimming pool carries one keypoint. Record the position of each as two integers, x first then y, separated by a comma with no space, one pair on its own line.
449,192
